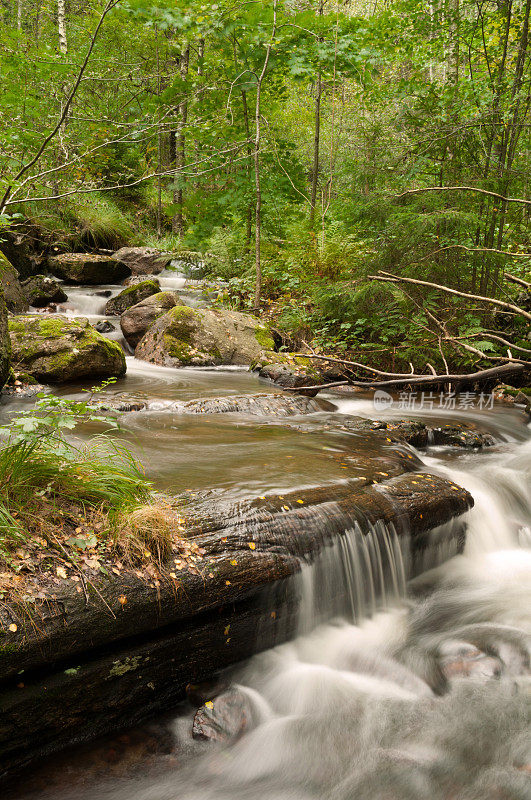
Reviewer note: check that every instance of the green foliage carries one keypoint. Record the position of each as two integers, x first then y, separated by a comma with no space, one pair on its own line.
39,464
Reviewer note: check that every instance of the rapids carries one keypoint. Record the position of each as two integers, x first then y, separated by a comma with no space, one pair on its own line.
403,691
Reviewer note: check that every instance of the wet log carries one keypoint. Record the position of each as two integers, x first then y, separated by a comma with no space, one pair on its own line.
73,667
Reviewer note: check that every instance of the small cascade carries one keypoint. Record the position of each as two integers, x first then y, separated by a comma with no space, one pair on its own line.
357,575
84,301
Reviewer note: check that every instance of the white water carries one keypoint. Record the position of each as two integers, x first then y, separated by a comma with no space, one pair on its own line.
428,696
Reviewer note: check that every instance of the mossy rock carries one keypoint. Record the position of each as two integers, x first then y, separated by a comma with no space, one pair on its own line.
131,296
204,337
58,350
288,370
138,319
41,291
15,299
5,345
87,268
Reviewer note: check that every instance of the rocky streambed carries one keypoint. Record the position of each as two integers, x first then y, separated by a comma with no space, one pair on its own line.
265,484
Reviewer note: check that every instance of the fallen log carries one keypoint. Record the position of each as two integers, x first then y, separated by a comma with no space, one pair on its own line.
481,378
72,668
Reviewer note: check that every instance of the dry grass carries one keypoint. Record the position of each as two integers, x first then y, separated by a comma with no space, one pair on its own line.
146,532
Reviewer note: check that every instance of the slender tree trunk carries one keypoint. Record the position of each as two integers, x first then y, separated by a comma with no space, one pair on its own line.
61,26
249,214
159,148
180,149
257,181
317,134
20,14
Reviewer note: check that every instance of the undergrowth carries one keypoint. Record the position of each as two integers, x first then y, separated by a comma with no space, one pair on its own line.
77,496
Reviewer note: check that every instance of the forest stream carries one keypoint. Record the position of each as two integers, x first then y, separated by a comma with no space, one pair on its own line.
405,689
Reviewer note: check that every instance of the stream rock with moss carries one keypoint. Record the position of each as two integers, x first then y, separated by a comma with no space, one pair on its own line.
204,337
55,349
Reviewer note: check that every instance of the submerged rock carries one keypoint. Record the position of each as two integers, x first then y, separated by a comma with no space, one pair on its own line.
418,434
59,350
204,337
225,718
104,326
139,318
131,296
14,296
142,260
40,291
277,405
87,268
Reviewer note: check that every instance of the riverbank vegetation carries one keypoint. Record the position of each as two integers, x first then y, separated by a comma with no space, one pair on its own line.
295,148
73,509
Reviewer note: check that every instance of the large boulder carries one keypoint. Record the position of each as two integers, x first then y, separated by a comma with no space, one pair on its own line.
87,268
204,337
58,350
23,247
131,296
139,318
142,260
14,296
5,345
41,291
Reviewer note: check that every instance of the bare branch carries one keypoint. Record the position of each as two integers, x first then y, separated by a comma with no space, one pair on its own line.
387,276
464,189
519,281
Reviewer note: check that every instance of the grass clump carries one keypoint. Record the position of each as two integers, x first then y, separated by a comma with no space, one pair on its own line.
70,509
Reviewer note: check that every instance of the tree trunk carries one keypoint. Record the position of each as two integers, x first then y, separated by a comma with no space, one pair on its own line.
61,26
317,134
249,214
257,182
180,150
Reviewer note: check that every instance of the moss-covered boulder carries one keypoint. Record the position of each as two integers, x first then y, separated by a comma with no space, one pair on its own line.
41,291
131,296
14,296
57,350
88,268
204,337
5,345
139,318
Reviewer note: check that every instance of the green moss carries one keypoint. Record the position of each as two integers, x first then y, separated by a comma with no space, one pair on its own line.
178,349
264,338
58,349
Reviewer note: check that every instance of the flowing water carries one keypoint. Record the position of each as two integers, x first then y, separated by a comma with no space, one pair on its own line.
397,691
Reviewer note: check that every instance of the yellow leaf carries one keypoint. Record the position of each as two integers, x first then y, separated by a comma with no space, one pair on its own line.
13,628
252,545
234,562
61,572
209,704
300,501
